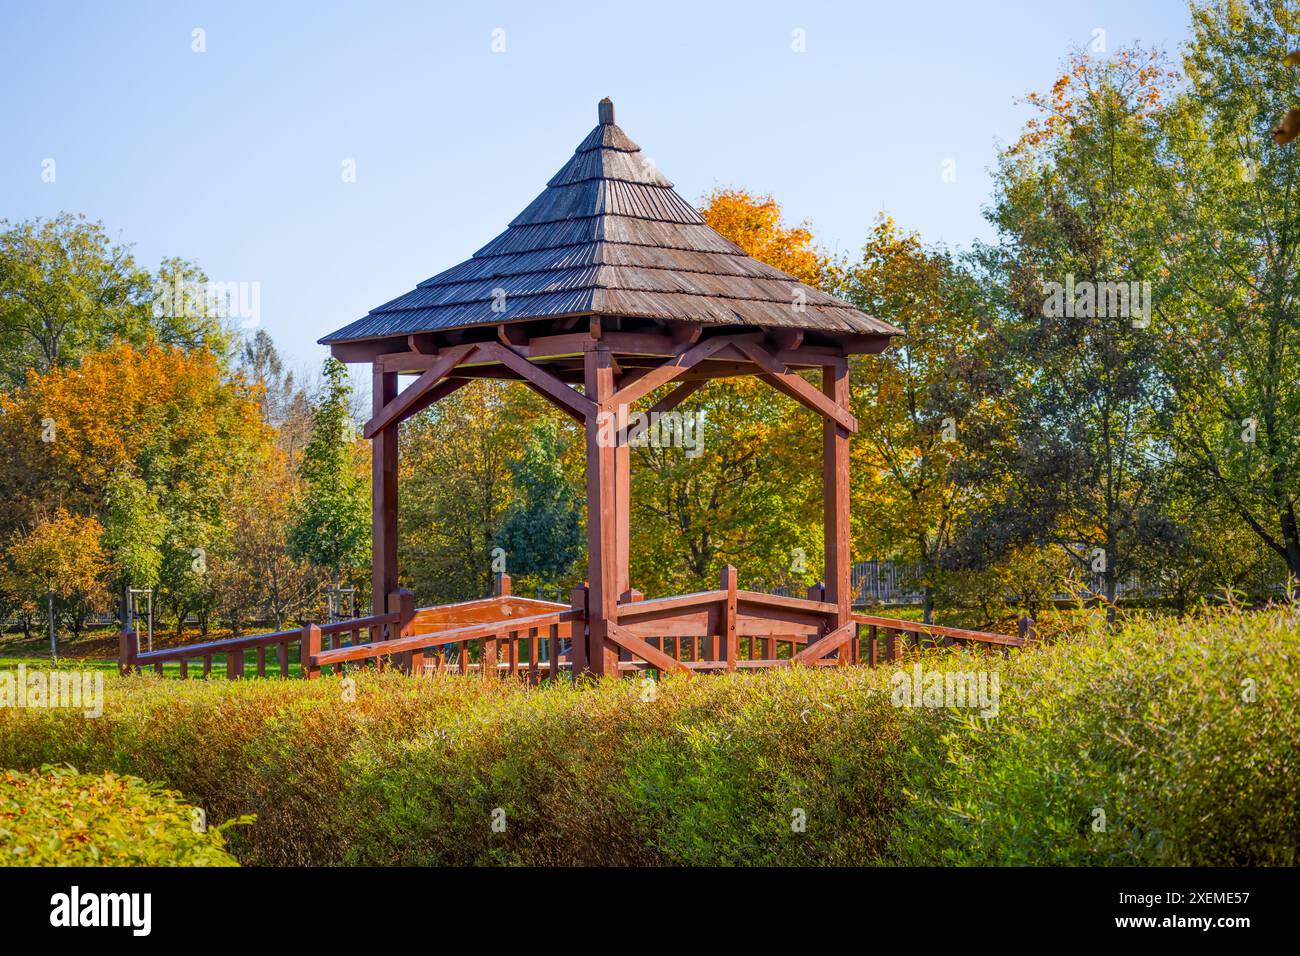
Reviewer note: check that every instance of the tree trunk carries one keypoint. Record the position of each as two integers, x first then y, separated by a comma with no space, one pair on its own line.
927,604
54,644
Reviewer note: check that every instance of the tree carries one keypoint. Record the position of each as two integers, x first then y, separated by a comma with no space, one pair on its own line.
170,419
754,224
750,495
66,289
1232,336
62,561
455,485
330,526
542,534
134,531
924,407
1077,210
286,406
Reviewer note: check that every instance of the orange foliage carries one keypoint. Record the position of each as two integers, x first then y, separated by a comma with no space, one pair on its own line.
754,224
1135,78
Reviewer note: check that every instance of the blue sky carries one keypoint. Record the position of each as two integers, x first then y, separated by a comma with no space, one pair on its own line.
233,157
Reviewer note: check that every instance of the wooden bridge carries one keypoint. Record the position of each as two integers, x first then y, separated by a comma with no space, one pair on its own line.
608,292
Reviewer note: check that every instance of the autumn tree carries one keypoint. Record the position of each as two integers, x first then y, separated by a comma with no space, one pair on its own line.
925,404
184,432
750,496
60,561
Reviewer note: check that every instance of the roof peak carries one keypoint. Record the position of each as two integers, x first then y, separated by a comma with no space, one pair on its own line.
605,112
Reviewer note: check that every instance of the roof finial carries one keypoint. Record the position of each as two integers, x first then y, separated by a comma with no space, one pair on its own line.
605,110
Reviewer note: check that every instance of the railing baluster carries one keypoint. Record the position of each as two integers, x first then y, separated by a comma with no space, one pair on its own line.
261,661
533,674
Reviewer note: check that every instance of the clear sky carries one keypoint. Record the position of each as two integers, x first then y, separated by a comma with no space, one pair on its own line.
234,157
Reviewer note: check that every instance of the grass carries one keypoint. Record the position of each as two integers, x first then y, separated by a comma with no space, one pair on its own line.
1149,724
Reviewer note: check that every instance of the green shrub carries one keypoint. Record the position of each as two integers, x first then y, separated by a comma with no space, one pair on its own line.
1147,723
1163,743
62,818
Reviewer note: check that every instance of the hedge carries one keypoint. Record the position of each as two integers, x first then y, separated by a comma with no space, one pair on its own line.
58,817
1165,742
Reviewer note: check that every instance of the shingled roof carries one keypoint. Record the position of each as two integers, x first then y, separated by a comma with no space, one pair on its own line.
609,236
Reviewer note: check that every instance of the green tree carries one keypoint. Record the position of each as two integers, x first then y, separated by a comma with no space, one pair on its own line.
67,289
134,530
542,535
1232,331
330,528
1078,208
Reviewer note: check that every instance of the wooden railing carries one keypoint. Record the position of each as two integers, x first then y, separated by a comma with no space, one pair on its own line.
726,629
131,658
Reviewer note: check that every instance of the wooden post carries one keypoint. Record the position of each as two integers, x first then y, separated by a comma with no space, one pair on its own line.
578,645
128,649
835,494
1026,629
502,586
383,490
234,664
553,647
310,647
728,636
403,602
602,514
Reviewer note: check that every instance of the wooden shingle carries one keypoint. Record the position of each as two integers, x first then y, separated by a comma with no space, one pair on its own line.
609,236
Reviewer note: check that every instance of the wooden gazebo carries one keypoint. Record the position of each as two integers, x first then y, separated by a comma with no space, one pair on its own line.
606,288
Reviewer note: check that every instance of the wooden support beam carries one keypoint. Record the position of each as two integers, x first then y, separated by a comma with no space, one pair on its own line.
546,382
367,351
396,409
512,335
602,522
622,505
383,495
578,638
835,640
687,333
835,495
423,343
647,652
782,379
674,367
730,643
